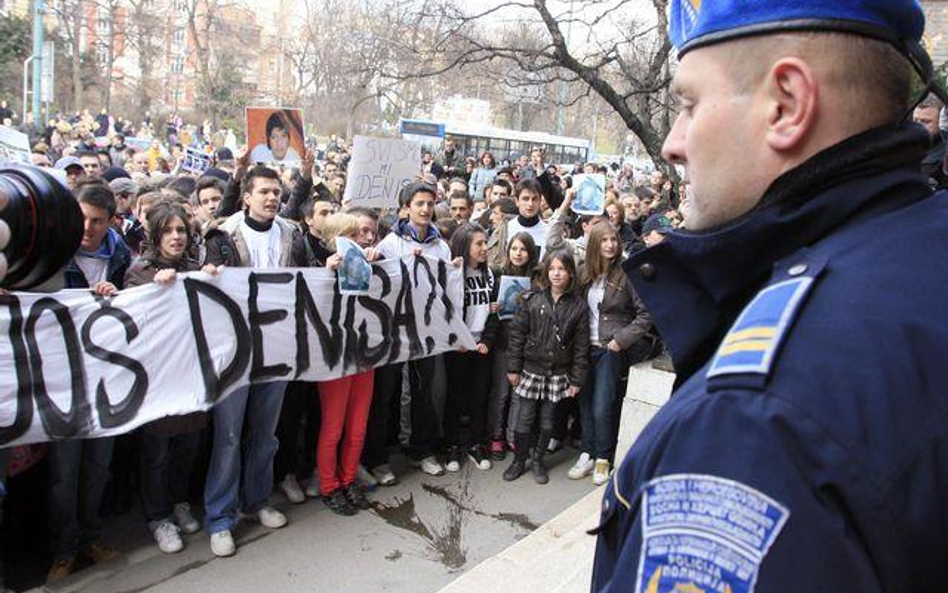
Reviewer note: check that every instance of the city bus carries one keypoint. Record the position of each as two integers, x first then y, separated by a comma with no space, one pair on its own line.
473,141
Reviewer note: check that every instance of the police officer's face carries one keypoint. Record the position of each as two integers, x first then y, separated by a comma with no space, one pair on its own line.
727,178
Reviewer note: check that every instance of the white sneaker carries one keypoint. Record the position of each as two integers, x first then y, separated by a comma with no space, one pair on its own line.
185,520
292,489
452,466
312,487
582,468
429,465
166,534
270,517
365,478
222,543
601,473
384,474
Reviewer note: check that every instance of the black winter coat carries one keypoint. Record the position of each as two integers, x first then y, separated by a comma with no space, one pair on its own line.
548,339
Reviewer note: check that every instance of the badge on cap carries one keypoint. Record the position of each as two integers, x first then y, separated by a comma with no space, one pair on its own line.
752,344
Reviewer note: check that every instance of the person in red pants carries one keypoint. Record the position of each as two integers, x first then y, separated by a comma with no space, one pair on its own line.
345,404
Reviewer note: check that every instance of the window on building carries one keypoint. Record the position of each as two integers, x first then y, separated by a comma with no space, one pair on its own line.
177,64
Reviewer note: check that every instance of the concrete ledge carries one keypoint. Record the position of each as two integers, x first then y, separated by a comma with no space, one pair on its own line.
647,391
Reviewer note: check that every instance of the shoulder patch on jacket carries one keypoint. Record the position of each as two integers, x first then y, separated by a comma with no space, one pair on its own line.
752,343
703,533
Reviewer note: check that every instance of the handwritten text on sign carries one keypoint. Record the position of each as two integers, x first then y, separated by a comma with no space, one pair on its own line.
77,366
379,169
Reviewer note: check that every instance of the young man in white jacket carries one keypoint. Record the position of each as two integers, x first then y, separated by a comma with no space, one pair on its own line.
415,235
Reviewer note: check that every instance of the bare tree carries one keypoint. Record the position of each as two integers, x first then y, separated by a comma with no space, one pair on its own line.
221,47
110,23
621,55
145,32
70,20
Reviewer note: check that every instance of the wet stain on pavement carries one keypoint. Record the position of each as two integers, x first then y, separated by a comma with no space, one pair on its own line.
445,539
401,513
518,519
442,540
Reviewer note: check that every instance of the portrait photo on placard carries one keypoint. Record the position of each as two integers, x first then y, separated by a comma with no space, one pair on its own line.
511,287
275,136
590,194
355,272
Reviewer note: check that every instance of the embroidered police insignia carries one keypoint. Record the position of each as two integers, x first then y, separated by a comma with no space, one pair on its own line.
752,344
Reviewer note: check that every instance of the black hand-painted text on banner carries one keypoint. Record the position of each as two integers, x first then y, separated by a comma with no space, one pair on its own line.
78,366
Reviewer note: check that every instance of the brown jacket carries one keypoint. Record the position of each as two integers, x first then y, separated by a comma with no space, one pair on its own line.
622,314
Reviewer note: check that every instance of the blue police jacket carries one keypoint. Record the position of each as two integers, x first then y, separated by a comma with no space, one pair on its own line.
806,445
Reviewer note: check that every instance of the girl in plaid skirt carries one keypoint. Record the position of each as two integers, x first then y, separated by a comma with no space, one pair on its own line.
547,356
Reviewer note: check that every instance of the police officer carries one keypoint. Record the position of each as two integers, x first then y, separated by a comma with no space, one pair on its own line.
806,445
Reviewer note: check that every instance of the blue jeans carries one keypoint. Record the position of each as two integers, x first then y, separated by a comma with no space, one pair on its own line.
241,478
78,471
597,403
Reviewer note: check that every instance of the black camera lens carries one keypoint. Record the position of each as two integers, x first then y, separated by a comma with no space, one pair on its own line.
46,226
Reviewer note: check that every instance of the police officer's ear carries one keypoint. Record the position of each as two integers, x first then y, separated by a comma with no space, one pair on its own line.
791,93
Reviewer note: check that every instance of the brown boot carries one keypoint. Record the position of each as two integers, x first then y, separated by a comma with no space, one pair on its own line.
98,552
61,569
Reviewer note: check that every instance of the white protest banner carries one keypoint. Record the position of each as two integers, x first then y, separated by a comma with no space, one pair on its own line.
14,147
379,169
73,365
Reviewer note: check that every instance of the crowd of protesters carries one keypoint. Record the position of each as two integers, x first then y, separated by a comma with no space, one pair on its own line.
550,376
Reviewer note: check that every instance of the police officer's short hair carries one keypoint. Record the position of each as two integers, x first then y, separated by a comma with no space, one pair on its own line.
874,71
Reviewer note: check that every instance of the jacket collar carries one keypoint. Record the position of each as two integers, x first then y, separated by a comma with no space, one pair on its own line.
108,247
695,283
407,231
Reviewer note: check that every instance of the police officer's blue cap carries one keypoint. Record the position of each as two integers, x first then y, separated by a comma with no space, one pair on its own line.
696,23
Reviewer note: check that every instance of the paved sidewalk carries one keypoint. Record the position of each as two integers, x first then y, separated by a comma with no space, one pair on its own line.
420,536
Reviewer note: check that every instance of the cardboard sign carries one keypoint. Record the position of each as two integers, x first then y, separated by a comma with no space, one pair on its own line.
275,136
14,147
195,162
379,169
